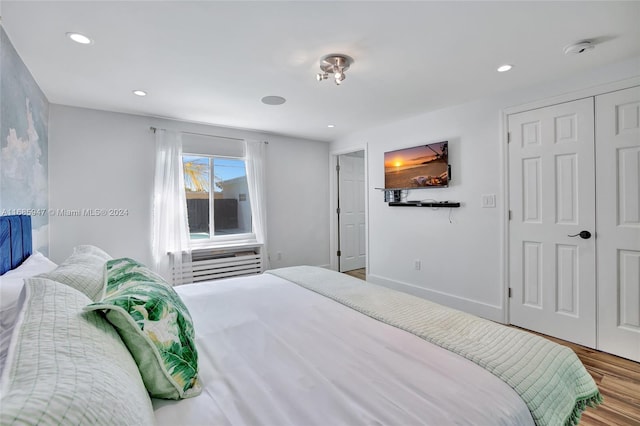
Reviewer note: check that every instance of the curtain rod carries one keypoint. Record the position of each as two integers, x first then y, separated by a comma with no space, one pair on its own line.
153,129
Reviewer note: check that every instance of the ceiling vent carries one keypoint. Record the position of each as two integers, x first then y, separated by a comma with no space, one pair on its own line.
581,47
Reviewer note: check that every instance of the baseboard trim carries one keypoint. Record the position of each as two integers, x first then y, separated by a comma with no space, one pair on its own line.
481,309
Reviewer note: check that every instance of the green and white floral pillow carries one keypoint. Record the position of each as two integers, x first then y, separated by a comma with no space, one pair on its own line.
155,325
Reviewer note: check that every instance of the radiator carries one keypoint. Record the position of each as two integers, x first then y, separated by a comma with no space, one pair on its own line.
213,264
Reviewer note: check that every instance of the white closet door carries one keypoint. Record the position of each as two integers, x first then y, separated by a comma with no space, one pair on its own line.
618,221
352,212
551,179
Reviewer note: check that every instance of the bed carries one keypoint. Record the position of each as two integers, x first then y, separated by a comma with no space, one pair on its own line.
293,346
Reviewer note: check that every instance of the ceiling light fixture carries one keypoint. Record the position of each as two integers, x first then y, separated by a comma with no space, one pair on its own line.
335,64
331,126
79,38
504,68
140,93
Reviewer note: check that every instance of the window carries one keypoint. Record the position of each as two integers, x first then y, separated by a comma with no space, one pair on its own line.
218,202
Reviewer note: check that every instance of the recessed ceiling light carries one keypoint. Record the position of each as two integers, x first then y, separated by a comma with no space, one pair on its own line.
504,68
140,93
273,100
79,38
331,126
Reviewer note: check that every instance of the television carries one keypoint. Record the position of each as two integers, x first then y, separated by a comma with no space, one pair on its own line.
422,166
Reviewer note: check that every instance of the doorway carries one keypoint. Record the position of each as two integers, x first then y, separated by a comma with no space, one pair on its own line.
351,211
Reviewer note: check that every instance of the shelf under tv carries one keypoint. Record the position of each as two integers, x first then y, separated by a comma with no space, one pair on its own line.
449,204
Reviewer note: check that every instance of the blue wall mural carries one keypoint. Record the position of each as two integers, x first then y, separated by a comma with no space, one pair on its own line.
24,115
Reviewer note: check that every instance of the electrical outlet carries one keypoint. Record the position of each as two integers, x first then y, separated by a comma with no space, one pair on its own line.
417,264
279,255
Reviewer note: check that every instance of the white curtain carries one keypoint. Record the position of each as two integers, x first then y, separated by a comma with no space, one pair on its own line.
255,160
170,226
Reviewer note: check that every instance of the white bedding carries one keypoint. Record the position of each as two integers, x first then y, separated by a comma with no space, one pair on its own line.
273,353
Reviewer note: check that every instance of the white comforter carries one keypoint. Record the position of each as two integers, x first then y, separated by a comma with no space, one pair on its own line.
274,353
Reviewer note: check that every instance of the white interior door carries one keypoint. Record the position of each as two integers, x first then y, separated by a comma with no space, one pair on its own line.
352,211
551,178
618,221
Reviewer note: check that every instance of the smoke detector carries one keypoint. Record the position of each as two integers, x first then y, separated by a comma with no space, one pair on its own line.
580,47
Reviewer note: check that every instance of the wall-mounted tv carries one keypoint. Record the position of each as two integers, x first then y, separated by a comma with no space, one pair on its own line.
423,166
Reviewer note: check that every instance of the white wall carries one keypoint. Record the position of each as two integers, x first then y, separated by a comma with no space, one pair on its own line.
233,188
104,160
462,262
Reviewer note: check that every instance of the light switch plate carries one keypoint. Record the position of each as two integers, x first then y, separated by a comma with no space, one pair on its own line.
488,201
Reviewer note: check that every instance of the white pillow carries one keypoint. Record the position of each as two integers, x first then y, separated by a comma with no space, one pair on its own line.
11,284
66,366
5,333
11,288
83,270
35,264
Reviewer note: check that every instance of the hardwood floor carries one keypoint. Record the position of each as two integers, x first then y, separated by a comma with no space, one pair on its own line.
358,273
619,382
617,378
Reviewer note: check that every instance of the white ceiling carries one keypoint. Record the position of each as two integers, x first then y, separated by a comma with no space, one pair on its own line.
212,62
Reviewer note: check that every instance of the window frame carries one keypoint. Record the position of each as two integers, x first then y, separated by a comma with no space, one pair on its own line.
220,240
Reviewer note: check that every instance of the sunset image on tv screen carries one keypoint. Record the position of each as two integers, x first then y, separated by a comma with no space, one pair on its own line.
418,167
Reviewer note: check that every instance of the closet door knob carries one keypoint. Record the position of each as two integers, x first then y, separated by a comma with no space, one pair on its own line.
585,235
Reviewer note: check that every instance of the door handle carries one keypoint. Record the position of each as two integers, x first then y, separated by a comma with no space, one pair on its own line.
585,235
